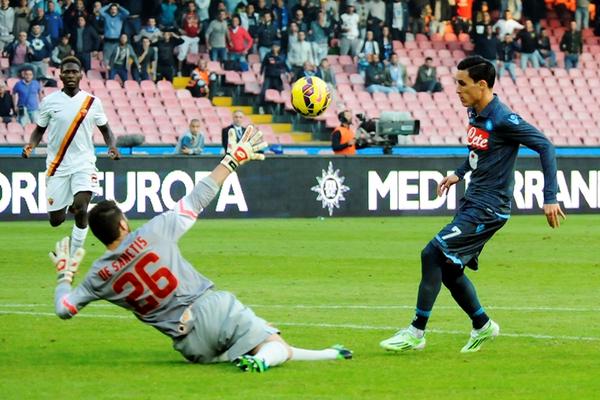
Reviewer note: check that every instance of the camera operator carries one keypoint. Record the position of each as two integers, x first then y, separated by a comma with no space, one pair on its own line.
343,138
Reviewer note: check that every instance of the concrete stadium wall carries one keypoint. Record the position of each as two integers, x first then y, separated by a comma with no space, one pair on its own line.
297,186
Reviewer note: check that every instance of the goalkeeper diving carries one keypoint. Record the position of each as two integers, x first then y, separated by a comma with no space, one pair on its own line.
143,271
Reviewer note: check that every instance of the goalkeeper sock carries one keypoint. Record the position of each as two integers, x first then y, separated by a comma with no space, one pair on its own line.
273,353
78,236
314,355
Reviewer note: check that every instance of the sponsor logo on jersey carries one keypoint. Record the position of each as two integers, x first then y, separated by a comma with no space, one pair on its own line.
477,138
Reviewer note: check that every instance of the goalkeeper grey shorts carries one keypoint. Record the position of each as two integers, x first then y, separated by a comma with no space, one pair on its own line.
222,326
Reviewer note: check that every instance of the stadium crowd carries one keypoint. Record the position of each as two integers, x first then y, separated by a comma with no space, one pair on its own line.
152,39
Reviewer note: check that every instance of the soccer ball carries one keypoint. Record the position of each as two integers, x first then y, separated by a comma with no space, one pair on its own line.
310,96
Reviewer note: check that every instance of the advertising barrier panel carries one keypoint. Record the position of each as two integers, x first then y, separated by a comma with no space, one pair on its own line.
297,186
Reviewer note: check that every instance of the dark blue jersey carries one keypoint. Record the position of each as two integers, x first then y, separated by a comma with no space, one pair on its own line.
493,137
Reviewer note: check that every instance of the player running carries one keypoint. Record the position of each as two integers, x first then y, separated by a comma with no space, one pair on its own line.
144,272
493,137
69,116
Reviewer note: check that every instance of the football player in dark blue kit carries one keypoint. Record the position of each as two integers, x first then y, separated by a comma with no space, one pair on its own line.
493,137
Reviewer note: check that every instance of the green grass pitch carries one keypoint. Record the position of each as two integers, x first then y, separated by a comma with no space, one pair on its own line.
350,281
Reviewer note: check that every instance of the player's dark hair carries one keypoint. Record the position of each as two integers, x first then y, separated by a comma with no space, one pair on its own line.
479,69
104,220
70,60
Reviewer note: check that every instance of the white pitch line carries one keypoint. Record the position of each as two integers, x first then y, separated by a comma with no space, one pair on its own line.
364,307
336,326
407,307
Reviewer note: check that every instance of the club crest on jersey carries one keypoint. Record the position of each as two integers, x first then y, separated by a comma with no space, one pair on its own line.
477,138
513,118
50,200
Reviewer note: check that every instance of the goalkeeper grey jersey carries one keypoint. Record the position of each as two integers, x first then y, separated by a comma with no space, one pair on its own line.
147,274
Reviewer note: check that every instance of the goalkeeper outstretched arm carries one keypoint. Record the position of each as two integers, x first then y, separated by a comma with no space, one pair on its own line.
169,225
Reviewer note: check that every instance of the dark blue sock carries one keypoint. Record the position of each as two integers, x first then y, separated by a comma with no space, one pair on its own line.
432,261
465,295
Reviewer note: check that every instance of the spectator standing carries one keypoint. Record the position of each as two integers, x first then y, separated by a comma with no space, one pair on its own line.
272,67
69,14
544,47
121,58
281,16
300,21
84,41
147,58
299,53
506,58
54,24
250,20
240,42
528,46
572,45
27,96
361,7
377,9
378,78
535,10
165,48
150,30
427,78
22,14
7,22
7,107
41,51
166,19
114,17
398,75
507,25
199,84
350,41
397,17
191,27
133,24
486,45
96,20
216,38
267,35
582,14
38,18
18,53
192,141
318,36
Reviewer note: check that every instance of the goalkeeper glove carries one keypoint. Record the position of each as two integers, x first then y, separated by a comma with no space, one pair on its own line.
247,149
66,265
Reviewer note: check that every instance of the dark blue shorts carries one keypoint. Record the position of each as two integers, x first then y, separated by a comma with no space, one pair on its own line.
463,239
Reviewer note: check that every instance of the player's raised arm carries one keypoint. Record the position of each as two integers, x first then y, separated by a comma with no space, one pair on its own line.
174,223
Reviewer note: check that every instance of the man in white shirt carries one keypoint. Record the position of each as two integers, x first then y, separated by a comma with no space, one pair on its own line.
299,53
69,116
507,25
350,42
